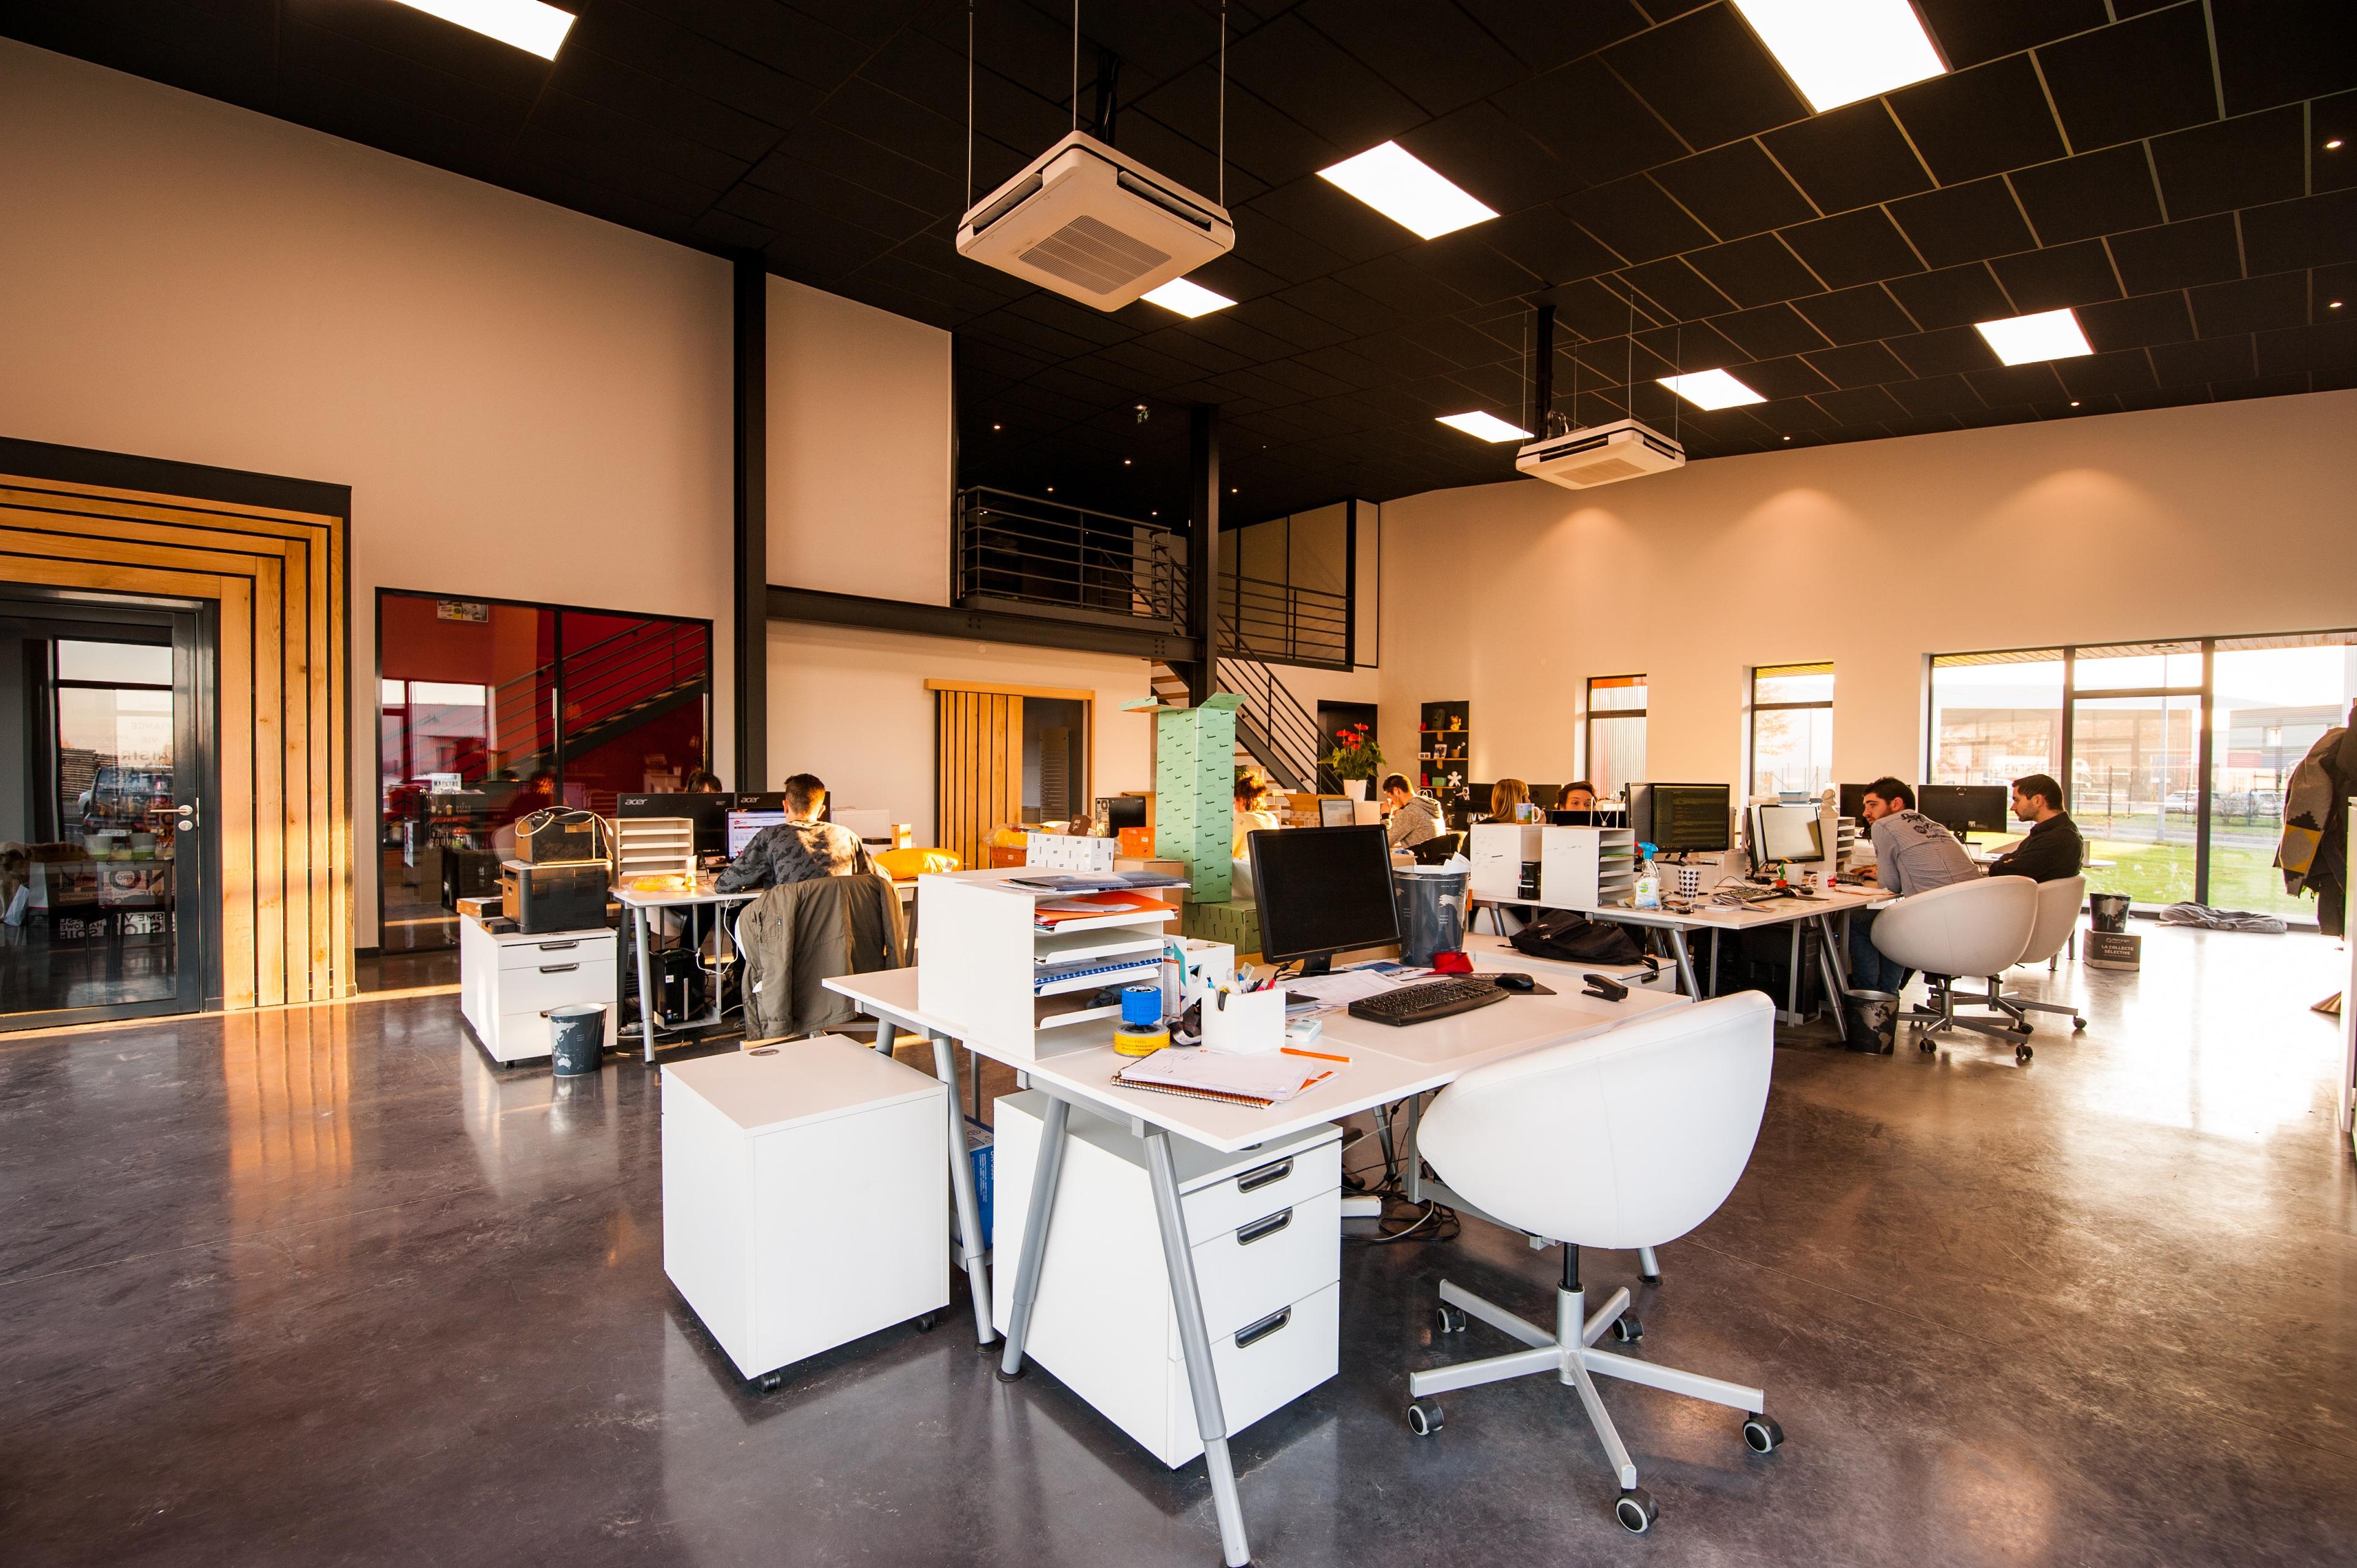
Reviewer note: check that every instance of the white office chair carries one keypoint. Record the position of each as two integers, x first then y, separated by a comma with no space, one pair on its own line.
1627,1140
1978,927
2058,916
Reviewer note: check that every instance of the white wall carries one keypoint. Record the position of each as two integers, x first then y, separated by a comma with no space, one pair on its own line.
2173,522
861,448
851,706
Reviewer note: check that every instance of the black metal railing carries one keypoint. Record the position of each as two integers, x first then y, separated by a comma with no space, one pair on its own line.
1285,621
1034,551
603,682
1272,724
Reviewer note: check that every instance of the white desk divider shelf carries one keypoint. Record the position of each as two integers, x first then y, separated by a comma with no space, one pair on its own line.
985,965
653,846
1586,867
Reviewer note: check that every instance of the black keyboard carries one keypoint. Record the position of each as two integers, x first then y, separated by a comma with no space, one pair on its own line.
1423,1002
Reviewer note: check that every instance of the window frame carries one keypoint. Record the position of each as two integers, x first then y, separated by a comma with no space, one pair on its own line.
1610,715
1753,707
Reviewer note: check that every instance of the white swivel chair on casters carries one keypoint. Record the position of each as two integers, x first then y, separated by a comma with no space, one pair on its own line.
1978,927
2058,916
1628,1140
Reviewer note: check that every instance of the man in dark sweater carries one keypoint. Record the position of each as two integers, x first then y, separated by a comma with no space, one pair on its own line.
2053,849
800,848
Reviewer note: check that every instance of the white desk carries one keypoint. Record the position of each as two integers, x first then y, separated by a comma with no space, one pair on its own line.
640,907
1387,1065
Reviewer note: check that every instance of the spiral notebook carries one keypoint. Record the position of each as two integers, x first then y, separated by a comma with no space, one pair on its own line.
1265,1080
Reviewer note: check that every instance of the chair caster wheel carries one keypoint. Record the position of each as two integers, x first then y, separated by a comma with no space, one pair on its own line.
770,1382
925,1321
1627,1328
2023,1027
2021,1053
1423,1418
1636,1511
1448,1319
1927,1045
1762,1435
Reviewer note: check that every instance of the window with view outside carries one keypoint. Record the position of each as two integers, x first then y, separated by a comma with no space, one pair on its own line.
2135,721
2273,699
1996,717
1616,732
1791,728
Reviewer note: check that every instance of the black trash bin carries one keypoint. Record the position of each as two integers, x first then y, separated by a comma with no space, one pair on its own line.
576,1037
1431,911
2107,911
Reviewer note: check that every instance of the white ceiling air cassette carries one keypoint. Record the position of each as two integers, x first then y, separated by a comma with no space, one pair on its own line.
1095,226
1624,449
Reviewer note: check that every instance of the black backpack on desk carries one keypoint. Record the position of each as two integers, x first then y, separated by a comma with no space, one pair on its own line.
1572,938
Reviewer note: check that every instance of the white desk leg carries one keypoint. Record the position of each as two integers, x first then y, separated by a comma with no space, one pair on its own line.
1686,962
646,983
1649,1267
1035,1236
1829,967
971,1240
1203,1379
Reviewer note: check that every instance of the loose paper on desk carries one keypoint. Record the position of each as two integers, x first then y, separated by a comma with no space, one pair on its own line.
1269,1080
1341,987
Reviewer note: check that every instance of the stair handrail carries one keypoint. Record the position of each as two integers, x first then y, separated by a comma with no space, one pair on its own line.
1287,727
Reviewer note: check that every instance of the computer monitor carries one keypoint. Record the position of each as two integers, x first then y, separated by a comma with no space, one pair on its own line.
1785,832
1121,811
1335,812
1852,803
743,825
1679,819
708,810
1323,891
1965,808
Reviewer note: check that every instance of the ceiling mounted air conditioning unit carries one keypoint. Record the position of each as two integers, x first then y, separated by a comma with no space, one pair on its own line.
1095,226
1601,455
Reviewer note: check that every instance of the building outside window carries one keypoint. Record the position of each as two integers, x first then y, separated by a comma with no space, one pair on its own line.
1791,728
1616,732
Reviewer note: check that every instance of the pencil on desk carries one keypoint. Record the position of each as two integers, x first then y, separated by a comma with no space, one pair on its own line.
1321,1056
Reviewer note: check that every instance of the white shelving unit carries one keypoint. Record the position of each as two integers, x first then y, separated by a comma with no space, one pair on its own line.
1498,853
983,958
653,846
1586,867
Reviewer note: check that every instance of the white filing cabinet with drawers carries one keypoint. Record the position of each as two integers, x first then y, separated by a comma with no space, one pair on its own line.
1266,1229
508,982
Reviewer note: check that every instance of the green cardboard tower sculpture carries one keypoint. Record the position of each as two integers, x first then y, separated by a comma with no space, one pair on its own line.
1195,792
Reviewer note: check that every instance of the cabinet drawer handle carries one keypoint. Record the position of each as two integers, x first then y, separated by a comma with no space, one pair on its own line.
560,947
558,968
1260,1228
1253,1333
1277,1171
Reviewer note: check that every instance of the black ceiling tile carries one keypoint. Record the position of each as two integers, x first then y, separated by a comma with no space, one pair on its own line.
1785,378
1147,367
1296,327
2327,285
2209,359
1980,122
1708,76
2178,255
822,144
1619,359
2008,385
2138,323
2252,304
1789,417
1758,271
916,132
1305,381
617,192
1242,337
1636,219
342,109
2095,375
1341,304
654,102
1678,289
1546,36
1736,191
2079,199
1860,406
820,191
1319,212
417,39
1852,156
2332,118
1290,63
1466,262
2314,232
1348,364
2057,276
2133,79
1491,157
1692,346
1178,157
1854,248
713,230
1949,351
1936,395
2260,386
1856,315
1546,242
1859,365
2246,162
1591,121
2332,346
1953,296
1272,145
2283,51
1770,332
1970,32
1964,222
1453,341
1237,277
494,104
1413,292
1433,54
1500,387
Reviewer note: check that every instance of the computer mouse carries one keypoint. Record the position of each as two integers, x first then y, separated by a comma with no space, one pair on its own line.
1513,982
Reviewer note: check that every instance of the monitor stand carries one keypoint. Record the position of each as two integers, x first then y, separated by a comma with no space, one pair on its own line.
1322,964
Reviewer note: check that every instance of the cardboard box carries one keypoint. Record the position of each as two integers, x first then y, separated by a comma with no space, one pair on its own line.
1138,843
1234,923
2111,950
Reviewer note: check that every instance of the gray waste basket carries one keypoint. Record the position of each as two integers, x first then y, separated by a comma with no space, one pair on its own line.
576,1037
2107,911
1431,911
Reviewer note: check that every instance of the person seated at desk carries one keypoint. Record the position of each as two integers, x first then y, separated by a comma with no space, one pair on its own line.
2053,849
1412,818
1579,796
799,849
701,782
1252,815
1912,854
1507,798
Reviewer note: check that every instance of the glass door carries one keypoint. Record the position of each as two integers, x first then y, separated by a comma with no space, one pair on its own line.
102,874
2274,698
2136,742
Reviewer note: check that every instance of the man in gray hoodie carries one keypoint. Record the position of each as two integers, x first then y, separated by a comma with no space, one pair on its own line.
1414,818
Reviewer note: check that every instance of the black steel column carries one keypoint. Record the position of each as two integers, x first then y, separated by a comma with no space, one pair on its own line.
1203,546
752,614
1543,373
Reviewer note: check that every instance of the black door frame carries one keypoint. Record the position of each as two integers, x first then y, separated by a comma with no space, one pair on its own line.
193,628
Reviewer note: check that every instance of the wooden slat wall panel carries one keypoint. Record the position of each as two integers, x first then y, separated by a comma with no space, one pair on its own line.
979,778
283,810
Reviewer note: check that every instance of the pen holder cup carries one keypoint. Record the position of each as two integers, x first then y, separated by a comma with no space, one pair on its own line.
1245,1023
1207,966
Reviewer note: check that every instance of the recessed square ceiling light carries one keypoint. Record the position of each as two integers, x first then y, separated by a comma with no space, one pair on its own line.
1838,51
1711,389
1489,427
2025,340
1188,299
527,24
1404,188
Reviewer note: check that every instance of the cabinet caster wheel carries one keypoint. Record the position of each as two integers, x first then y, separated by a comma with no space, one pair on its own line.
2021,1053
1627,1328
1448,1319
1649,1279
925,1321
1636,1511
1762,1435
1423,1418
770,1382
2078,1026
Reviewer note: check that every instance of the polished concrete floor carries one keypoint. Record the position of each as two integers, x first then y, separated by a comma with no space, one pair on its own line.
322,1287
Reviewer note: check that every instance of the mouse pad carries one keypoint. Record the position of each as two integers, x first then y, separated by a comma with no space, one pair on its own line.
1538,988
